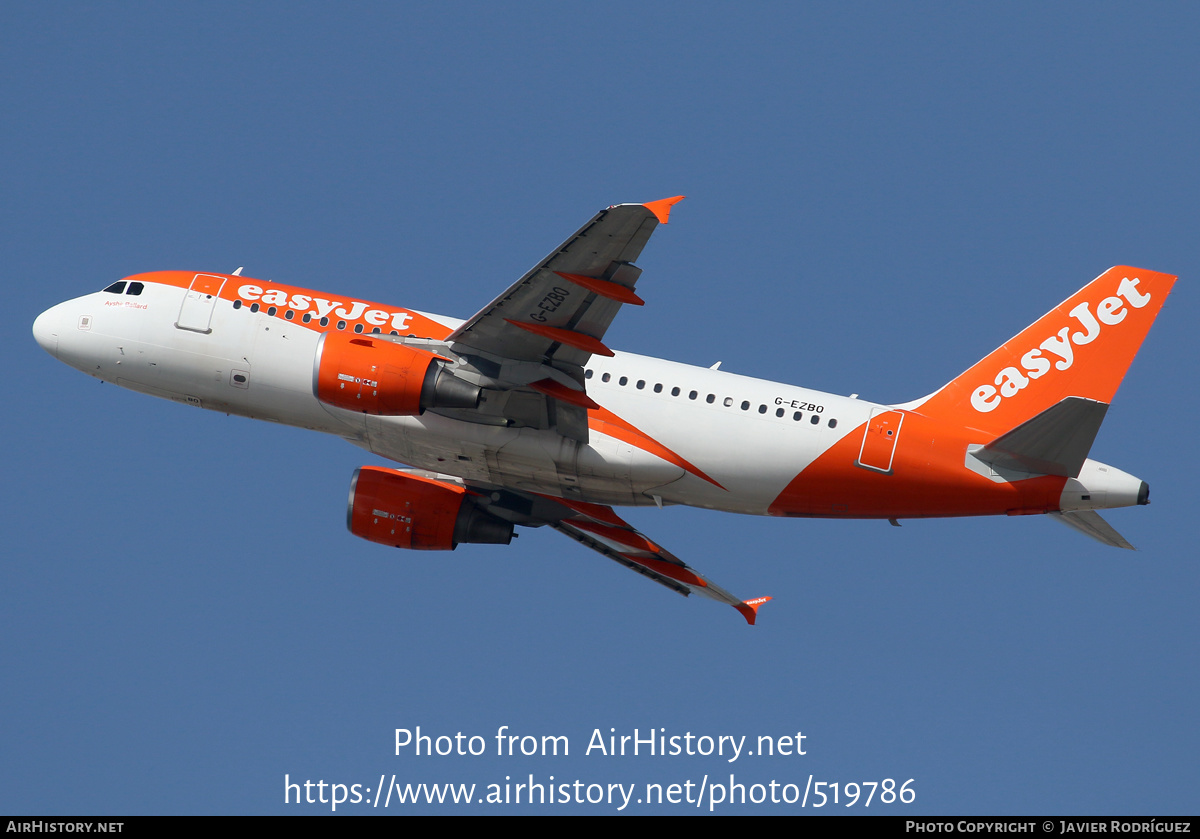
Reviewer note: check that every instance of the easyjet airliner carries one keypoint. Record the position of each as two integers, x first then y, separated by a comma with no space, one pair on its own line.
520,415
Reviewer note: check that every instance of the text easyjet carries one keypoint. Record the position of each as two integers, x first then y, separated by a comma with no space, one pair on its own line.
1058,350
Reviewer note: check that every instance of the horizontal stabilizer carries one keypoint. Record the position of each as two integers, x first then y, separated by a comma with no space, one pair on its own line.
1089,523
1055,442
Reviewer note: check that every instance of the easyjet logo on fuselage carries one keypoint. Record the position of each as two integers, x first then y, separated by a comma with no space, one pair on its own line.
1059,348
321,308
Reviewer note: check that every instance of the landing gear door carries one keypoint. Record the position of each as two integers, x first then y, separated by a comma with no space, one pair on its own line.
195,315
879,440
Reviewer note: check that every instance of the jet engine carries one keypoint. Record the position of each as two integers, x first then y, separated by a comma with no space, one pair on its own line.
376,376
407,511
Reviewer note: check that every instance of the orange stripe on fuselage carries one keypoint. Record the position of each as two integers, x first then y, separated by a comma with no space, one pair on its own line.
928,479
299,301
606,422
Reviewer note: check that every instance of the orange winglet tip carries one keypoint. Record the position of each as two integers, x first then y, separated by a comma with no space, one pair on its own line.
662,207
562,392
749,608
605,288
566,336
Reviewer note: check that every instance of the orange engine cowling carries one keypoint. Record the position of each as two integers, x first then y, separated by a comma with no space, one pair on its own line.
406,511
376,376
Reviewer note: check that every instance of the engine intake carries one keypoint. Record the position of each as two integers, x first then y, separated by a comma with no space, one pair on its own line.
406,511
375,376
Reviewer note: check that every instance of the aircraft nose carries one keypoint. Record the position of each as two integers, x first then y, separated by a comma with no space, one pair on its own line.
45,330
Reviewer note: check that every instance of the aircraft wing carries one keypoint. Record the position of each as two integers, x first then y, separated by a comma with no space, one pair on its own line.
560,310
599,528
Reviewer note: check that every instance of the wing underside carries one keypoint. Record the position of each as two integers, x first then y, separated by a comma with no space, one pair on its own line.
598,527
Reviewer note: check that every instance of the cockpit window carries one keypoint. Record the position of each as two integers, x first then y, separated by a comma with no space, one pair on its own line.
134,288
116,288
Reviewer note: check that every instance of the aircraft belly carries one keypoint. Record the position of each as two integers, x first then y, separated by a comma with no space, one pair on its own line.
605,471
440,444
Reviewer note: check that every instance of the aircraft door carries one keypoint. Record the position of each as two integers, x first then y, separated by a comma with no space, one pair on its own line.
195,315
879,440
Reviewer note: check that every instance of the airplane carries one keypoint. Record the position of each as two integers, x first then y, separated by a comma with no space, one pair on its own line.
522,416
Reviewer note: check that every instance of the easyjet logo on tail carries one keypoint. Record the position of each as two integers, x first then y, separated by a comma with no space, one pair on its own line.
1058,350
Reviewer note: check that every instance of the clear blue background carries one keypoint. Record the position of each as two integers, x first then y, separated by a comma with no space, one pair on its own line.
878,195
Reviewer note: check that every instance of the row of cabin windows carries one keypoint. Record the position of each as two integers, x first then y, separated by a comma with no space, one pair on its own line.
711,398
290,314
119,288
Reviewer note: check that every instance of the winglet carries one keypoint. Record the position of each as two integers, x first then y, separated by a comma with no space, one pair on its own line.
662,210
749,608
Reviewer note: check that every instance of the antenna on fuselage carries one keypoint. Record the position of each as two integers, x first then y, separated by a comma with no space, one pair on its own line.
238,272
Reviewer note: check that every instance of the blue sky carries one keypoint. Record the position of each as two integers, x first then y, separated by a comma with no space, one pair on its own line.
878,195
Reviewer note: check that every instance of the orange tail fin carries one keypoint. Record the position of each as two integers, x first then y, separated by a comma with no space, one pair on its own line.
1081,348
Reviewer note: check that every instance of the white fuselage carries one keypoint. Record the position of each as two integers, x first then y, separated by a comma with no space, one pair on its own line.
665,433
259,366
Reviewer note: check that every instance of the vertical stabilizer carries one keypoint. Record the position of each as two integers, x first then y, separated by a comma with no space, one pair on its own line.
1081,348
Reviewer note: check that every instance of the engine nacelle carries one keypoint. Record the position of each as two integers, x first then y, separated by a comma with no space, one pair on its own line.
374,376
406,511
